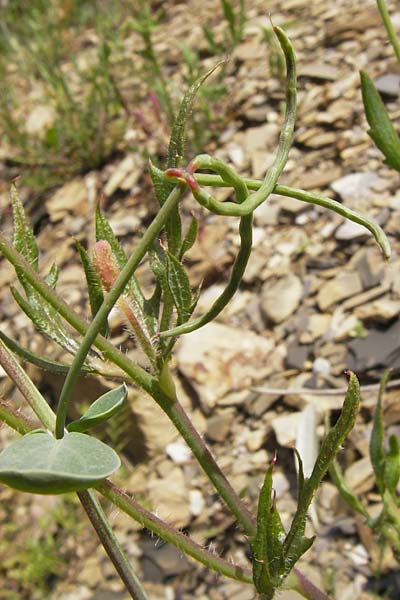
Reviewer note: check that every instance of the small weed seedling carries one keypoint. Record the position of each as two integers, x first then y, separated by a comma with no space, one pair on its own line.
63,456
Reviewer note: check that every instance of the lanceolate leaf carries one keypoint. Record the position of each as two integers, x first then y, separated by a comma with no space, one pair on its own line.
381,129
347,494
376,450
189,238
392,467
35,359
177,142
261,571
52,278
296,544
276,535
180,288
173,226
46,319
102,409
40,464
93,282
24,240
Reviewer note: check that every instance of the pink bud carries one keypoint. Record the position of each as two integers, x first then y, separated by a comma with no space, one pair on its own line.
105,264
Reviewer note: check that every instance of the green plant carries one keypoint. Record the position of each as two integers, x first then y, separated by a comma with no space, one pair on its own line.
85,112
32,563
385,460
62,457
235,19
381,129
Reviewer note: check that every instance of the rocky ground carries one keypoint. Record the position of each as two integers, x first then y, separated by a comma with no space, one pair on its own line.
317,298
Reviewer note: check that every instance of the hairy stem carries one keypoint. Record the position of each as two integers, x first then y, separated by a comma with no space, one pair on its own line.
87,498
185,544
109,302
136,374
26,387
180,419
111,545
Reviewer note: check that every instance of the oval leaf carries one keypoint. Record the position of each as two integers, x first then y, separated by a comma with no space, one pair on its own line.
102,409
40,464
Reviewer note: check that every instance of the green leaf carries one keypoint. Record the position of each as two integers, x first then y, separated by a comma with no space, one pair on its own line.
300,474
299,546
177,142
40,464
95,290
296,544
179,286
189,238
46,319
102,409
376,443
276,535
261,572
24,240
35,359
158,264
173,226
392,466
52,278
381,129
229,15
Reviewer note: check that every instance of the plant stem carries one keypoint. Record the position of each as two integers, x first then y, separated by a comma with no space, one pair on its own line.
109,302
14,419
180,419
144,380
111,545
87,497
26,387
146,518
389,27
167,533
137,374
301,584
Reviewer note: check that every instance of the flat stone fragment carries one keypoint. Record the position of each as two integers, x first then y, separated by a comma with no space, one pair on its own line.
280,300
219,425
285,428
355,186
319,70
349,231
170,498
380,310
344,285
388,84
218,359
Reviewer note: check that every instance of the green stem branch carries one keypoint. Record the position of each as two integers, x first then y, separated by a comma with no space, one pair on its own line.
389,27
167,533
311,198
111,545
26,387
110,301
141,378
